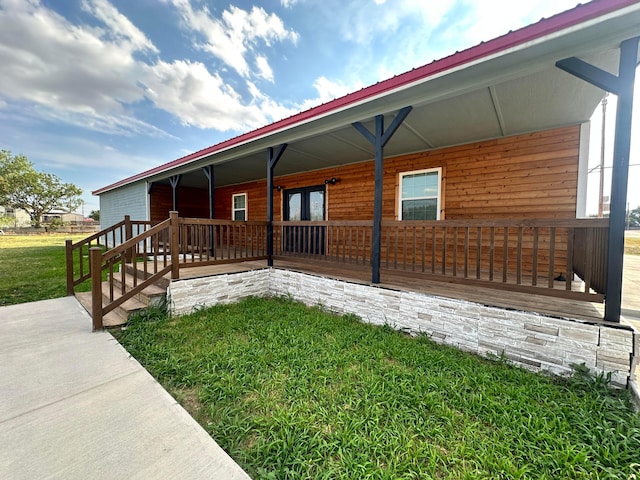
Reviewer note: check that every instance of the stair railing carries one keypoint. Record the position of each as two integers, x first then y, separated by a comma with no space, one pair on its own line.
78,253
153,253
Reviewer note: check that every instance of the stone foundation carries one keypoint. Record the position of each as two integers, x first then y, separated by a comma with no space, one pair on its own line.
531,340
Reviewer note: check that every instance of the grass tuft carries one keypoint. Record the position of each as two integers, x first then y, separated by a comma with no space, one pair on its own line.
296,392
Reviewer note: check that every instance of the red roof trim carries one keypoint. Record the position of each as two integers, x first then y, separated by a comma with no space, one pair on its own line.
568,18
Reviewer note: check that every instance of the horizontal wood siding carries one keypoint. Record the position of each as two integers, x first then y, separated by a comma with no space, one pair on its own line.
191,202
524,176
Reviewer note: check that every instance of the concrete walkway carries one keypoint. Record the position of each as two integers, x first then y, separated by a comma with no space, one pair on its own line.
75,405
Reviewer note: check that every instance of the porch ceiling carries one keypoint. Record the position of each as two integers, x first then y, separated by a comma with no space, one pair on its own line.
517,91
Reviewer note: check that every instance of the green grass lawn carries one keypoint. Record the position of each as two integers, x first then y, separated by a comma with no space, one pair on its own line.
32,267
632,243
292,392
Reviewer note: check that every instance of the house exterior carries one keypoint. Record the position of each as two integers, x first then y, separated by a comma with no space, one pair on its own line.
14,218
495,133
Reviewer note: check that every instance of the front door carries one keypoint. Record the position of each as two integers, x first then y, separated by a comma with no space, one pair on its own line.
305,204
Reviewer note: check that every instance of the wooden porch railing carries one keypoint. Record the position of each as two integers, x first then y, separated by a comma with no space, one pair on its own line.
78,252
155,251
538,256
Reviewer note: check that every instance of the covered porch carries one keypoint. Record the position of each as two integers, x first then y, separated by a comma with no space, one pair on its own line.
552,267
499,134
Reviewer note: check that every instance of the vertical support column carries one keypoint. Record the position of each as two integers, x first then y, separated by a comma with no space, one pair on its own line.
208,172
272,160
622,86
174,231
174,181
379,140
69,262
95,266
620,179
377,201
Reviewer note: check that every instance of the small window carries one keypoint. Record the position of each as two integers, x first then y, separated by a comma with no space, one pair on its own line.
420,195
239,209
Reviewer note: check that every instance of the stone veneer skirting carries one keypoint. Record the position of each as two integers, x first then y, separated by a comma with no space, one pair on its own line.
531,340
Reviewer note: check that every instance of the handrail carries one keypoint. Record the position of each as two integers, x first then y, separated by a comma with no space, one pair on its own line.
145,248
75,252
539,256
166,247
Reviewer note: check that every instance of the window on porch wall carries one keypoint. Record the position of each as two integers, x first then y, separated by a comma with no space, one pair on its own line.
420,195
239,209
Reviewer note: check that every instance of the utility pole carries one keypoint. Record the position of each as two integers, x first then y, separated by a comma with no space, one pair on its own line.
604,124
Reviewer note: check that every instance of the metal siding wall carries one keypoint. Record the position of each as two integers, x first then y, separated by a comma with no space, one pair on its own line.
130,200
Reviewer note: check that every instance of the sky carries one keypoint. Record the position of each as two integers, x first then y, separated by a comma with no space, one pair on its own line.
94,91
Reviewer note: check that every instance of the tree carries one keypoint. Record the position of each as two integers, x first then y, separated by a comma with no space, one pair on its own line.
21,186
95,215
634,217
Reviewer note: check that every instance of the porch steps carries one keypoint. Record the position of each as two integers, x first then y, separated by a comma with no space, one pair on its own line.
151,296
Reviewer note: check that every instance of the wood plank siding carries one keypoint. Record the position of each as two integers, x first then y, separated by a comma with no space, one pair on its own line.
191,202
524,176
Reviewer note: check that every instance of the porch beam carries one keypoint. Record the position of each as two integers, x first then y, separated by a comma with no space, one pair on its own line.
379,140
622,86
272,161
208,172
174,181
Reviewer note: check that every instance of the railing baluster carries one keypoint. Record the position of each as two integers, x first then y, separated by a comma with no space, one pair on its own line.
478,251
492,249
455,251
588,269
534,267
466,252
413,255
552,255
505,254
433,249
519,260
569,281
444,250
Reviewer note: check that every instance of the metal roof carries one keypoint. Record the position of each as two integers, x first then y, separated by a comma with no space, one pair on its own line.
502,87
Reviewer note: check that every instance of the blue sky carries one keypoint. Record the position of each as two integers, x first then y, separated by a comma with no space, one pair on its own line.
98,90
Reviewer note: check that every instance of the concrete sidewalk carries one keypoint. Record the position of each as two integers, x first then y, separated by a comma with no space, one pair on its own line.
75,405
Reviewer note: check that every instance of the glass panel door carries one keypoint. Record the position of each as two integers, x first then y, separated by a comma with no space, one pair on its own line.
305,204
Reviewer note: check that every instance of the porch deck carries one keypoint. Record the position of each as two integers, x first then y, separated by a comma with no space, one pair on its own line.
397,280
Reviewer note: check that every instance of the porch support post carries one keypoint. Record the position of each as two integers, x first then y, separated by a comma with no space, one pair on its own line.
174,181
622,86
272,160
208,172
379,140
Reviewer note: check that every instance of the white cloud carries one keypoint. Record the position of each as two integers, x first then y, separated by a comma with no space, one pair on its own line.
288,3
263,68
234,37
480,23
78,74
328,90
202,99
120,28
93,77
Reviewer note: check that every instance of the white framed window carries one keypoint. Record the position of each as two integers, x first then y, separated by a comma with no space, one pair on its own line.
239,207
419,195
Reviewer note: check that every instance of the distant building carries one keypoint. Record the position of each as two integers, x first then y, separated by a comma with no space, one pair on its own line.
66,218
14,218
